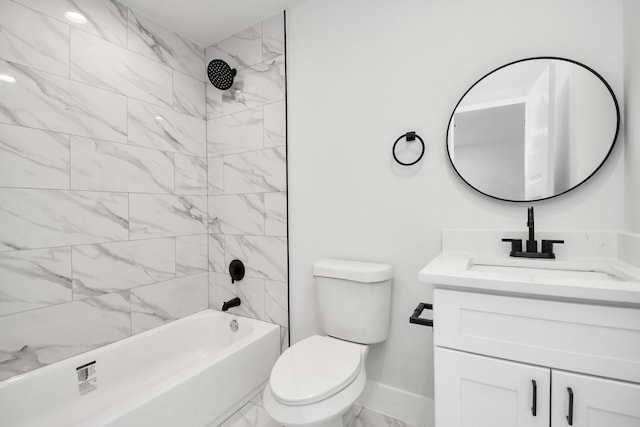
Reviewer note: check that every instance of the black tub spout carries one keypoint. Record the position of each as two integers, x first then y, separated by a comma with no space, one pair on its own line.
231,303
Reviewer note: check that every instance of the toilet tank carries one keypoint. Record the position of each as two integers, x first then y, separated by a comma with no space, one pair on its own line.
354,299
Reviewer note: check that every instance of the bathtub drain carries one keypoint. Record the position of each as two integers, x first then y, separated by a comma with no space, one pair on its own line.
233,325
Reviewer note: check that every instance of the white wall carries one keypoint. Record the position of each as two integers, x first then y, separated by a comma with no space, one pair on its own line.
362,72
632,110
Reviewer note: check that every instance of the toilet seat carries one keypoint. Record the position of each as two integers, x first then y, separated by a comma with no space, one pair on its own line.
315,369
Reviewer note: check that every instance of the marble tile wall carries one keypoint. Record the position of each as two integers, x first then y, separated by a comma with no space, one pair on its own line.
103,179
247,182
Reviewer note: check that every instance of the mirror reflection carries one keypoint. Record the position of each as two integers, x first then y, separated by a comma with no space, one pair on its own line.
533,129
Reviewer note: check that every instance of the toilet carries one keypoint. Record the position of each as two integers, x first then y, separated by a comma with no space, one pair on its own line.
317,380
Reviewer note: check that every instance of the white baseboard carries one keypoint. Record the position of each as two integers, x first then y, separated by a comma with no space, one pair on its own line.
397,403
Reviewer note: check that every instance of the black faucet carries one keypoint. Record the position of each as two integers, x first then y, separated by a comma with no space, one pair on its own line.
532,243
231,303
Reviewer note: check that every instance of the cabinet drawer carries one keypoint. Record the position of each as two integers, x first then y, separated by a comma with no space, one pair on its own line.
600,340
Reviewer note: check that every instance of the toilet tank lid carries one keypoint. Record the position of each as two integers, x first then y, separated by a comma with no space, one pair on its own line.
365,272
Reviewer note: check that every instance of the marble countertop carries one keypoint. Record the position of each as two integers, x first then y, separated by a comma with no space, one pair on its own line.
594,279
452,270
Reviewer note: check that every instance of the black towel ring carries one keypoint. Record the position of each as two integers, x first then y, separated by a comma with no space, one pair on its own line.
411,136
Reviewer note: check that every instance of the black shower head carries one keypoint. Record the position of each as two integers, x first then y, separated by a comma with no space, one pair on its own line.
221,74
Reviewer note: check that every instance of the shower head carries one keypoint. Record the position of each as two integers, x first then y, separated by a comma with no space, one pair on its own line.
221,74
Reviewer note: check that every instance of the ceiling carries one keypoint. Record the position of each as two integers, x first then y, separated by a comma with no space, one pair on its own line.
208,21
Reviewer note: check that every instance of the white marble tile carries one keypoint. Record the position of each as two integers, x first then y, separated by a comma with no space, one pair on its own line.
106,19
160,44
264,257
368,418
284,339
33,158
275,205
45,218
276,302
107,166
273,37
157,304
249,290
191,175
275,126
109,66
214,101
216,253
250,415
34,279
240,50
164,129
255,171
112,267
235,133
46,49
189,95
255,86
44,101
37,338
237,214
215,174
191,254
154,215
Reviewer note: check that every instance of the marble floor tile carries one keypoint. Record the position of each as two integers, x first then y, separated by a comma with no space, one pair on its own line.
369,418
250,415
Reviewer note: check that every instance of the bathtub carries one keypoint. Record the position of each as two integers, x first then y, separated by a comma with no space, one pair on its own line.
194,371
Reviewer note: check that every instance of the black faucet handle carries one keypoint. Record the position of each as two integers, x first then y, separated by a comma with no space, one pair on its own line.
547,246
516,245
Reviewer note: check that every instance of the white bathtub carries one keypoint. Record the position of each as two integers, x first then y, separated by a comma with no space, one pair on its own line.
191,372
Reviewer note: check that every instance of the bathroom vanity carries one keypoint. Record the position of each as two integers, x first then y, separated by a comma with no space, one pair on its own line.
530,342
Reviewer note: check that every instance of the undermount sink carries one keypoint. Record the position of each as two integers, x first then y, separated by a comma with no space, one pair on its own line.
548,269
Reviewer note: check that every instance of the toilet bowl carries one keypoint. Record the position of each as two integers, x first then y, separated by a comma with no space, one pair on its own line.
316,381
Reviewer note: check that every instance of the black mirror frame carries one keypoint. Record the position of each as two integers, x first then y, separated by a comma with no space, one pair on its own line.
613,143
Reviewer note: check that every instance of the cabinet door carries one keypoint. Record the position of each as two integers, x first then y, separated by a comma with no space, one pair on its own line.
479,391
596,402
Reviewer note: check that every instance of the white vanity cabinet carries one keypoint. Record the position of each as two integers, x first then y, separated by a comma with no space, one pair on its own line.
515,360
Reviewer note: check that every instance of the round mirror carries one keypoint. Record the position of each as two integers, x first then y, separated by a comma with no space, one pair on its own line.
533,129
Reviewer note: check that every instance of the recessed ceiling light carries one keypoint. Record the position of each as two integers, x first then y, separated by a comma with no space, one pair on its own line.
7,79
158,117
75,17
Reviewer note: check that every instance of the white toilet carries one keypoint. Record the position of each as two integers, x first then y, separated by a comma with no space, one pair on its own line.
317,380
